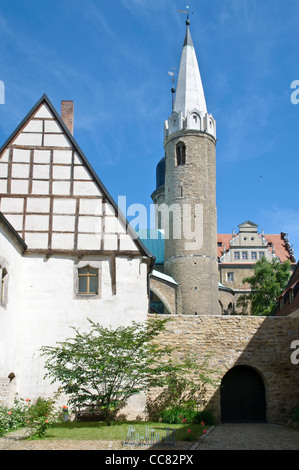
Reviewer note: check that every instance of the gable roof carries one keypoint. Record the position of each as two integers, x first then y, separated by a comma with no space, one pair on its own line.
248,222
45,100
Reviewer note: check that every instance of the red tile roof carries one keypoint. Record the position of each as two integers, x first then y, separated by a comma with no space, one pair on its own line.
277,240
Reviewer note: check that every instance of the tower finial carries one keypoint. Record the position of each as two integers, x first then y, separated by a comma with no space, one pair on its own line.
186,12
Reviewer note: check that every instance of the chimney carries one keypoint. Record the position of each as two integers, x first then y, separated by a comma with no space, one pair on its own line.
67,114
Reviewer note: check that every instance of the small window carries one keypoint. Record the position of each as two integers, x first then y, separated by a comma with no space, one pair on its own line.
236,255
261,254
3,286
181,154
253,255
88,281
219,243
244,255
230,277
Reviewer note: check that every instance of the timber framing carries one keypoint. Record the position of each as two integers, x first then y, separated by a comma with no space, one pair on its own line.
48,168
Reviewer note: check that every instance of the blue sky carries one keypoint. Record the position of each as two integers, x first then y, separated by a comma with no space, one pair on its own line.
112,58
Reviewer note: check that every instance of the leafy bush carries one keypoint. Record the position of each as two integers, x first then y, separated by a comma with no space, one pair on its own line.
12,418
205,416
37,417
178,414
40,417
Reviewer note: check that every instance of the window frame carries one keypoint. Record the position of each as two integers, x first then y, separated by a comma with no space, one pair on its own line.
88,276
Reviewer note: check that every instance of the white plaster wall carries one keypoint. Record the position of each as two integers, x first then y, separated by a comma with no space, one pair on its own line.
44,306
9,313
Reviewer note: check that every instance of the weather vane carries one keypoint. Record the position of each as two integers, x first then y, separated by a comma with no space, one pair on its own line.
172,75
186,12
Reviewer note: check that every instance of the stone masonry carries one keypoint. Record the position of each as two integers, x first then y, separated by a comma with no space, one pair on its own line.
263,343
193,263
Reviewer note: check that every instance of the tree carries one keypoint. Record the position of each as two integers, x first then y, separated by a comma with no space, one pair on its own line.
102,368
267,283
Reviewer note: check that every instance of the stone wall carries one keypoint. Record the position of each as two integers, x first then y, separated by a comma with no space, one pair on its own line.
264,343
4,391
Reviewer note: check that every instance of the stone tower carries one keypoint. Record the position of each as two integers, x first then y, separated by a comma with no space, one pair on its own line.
189,218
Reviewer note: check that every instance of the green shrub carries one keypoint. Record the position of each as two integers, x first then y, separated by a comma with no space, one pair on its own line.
40,417
205,416
178,414
12,418
37,417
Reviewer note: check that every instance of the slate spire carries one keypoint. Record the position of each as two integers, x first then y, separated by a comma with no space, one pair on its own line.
189,91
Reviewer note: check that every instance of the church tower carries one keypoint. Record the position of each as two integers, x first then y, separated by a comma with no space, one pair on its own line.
190,216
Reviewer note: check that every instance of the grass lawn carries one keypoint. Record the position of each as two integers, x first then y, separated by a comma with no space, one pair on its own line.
118,431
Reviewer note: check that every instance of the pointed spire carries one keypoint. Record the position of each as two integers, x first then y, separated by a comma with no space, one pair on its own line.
189,110
190,93
188,39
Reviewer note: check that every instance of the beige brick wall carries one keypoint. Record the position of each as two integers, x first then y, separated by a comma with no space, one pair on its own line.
260,342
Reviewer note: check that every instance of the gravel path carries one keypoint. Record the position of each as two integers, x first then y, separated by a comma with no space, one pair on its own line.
250,437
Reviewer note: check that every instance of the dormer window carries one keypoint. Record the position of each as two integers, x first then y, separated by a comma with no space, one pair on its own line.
88,281
180,154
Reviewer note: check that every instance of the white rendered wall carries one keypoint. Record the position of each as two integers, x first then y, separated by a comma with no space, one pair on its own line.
43,305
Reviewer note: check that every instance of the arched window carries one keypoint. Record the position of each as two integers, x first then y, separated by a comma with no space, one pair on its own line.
88,281
181,153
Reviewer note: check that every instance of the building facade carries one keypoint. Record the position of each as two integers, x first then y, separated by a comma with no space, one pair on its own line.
66,253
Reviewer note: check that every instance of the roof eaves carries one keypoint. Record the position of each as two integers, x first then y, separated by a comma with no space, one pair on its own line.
13,232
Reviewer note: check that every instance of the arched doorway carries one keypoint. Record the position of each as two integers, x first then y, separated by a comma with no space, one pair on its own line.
243,396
